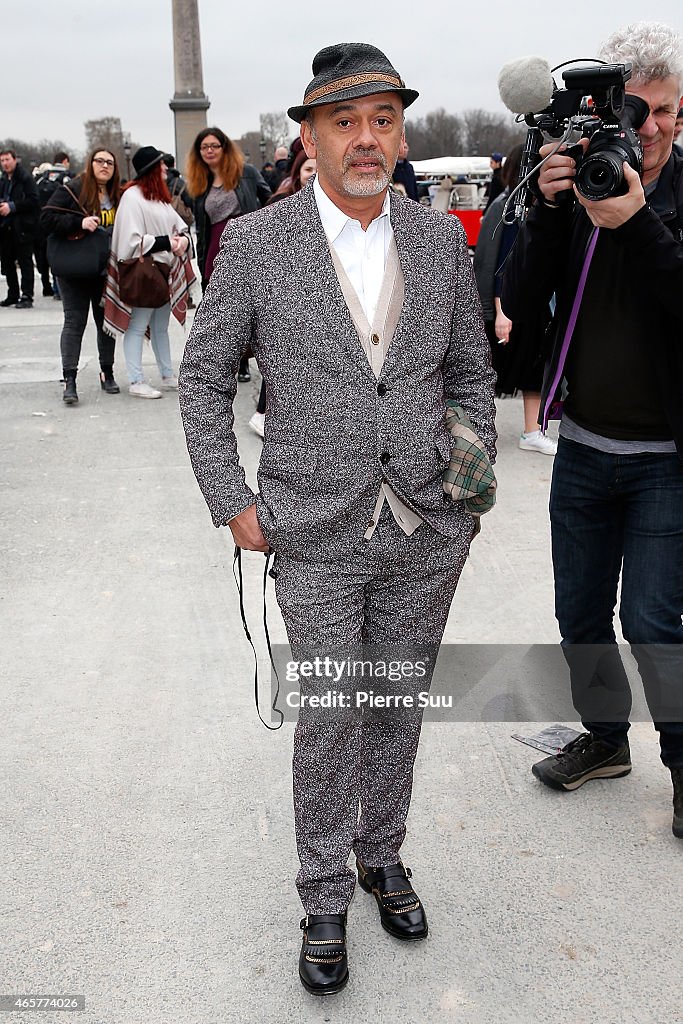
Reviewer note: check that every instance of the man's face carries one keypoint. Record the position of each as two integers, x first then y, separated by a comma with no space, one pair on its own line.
8,163
355,144
657,134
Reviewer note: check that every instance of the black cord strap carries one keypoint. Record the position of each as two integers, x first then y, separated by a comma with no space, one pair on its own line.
237,561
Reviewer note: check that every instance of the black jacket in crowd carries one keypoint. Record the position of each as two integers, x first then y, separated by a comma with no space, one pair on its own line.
176,186
252,193
404,174
496,186
21,190
62,215
548,258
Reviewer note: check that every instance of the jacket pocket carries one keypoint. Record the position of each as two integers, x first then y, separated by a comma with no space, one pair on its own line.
288,464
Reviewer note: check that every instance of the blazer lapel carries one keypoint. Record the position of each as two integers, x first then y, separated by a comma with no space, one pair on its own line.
409,253
332,308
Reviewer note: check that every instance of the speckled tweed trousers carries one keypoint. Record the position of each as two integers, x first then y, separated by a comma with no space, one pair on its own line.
353,775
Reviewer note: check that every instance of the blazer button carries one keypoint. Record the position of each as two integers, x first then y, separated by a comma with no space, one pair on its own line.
374,338
384,458
381,389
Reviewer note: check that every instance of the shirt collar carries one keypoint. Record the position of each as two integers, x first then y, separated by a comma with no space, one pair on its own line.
333,219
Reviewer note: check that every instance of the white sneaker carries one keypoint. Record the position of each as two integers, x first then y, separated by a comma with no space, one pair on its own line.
169,383
535,441
257,423
143,390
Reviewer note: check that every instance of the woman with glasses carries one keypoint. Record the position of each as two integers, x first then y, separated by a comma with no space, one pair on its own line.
86,204
223,187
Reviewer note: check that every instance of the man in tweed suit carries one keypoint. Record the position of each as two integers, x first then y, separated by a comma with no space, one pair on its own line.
361,309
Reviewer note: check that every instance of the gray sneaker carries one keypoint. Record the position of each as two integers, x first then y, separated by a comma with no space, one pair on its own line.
582,759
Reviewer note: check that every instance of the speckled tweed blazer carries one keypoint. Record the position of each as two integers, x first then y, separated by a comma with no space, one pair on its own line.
333,431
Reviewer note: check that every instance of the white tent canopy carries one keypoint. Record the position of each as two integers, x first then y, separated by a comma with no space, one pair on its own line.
471,166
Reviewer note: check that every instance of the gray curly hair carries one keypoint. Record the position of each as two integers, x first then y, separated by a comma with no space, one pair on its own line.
655,50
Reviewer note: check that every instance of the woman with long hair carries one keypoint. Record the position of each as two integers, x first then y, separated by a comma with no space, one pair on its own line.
88,203
148,224
223,186
303,169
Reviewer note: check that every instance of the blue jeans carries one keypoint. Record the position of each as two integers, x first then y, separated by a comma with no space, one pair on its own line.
157,321
612,515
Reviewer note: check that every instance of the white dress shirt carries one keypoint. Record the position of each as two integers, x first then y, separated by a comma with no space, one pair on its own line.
363,254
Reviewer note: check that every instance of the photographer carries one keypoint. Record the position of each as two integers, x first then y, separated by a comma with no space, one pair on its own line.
616,503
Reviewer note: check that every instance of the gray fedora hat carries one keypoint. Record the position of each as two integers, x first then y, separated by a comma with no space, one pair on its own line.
346,71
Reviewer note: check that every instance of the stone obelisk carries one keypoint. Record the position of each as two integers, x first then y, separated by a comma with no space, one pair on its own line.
189,103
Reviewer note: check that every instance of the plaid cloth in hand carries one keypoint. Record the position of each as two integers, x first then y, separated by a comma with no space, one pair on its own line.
469,477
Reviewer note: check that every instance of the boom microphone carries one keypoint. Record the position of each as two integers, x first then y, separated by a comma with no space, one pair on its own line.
526,85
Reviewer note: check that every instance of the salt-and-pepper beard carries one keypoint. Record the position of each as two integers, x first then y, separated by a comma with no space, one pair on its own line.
365,185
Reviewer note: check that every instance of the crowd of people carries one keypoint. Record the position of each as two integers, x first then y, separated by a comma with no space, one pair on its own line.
79,228
218,186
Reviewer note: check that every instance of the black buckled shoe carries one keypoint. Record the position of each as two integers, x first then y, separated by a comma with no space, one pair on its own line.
400,909
323,965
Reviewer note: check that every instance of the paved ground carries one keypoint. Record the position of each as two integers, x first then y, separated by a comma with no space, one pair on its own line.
147,850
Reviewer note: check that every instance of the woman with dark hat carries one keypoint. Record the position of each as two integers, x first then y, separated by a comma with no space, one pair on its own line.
86,204
223,187
147,223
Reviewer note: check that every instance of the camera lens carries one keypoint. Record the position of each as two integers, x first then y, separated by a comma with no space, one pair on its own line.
599,176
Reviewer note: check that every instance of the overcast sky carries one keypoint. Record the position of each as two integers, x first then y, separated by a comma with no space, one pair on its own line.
66,62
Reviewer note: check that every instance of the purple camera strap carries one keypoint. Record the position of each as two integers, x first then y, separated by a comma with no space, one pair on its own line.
553,410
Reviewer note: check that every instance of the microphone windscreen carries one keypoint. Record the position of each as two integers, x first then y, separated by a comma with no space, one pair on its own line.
526,85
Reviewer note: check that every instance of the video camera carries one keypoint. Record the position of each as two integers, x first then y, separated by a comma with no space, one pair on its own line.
595,101
593,105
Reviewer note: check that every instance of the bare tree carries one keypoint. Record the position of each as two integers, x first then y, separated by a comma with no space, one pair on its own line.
436,134
485,133
107,133
472,133
276,130
33,153
249,143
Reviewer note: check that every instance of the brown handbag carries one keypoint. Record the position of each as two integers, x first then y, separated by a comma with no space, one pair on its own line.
143,283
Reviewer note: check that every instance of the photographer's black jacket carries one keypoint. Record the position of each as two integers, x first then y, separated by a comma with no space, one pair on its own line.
549,256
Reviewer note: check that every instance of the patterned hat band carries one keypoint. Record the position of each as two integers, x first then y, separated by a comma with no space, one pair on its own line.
350,71
350,82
